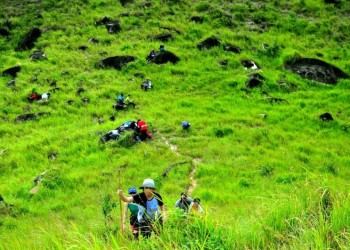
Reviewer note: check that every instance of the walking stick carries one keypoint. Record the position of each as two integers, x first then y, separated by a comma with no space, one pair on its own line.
120,202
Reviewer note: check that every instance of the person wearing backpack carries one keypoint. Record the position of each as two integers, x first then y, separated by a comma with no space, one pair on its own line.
134,209
184,202
152,213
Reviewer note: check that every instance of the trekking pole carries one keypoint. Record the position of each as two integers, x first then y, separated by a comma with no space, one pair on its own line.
120,202
121,207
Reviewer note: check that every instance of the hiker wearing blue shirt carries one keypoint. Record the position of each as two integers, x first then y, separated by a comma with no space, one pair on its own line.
120,99
184,202
153,213
186,125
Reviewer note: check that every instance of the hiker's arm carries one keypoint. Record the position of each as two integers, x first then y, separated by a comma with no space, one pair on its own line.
164,216
124,215
123,197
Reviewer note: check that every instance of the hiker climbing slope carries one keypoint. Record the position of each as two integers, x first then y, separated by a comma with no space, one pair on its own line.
134,209
153,214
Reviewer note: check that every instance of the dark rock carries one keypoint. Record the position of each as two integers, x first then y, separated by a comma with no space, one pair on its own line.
70,102
52,156
316,70
12,71
116,62
113,28
112,118
164,37
147,5
83,47
4,32
255,80
126,14
139,75
53,84
171,29
11,83
27,42
104,21
93,40
249,64
37,55
162,57
231,48
208,43
25,117
326,117
223,63
197,19
53,90
80,90
125,2
335,2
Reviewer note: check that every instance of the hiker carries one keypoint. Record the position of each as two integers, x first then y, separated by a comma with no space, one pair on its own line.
196,206
161,48
151,55
186,125
184,202
146,85
34,95
129,101
142,129
113,134
133,208
120,99
149,217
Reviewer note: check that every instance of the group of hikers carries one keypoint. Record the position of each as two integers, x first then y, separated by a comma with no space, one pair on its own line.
152,54
147,209
35,96
122,103
139,128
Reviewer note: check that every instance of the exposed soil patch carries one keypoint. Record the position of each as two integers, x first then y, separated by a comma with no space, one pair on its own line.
193,181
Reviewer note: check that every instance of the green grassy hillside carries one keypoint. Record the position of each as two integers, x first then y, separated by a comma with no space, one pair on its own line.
270,173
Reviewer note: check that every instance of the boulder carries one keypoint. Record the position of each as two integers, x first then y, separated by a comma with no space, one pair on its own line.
249,64
316,70
25,117
103,21
11,83
162,57
164,37
114,27
37,55
231,48
255,80
4,32
27,42
326,117
116,62
12,71
208,43
197,19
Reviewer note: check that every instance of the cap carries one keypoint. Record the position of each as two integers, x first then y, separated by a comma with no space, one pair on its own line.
132,190
149,183
197,200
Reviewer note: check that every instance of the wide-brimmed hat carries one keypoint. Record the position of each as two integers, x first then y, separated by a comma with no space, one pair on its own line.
148,183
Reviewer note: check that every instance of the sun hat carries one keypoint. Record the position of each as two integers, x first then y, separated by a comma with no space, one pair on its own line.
132,190
148,183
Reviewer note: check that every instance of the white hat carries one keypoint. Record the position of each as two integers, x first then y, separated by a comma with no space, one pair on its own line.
149,183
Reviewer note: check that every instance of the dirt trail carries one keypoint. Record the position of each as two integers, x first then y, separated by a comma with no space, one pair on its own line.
195,162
